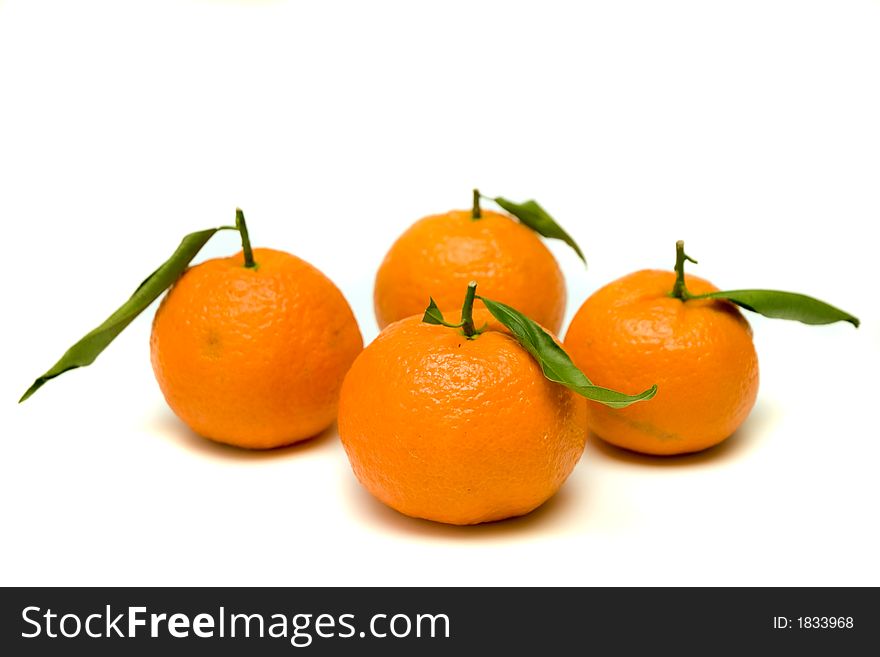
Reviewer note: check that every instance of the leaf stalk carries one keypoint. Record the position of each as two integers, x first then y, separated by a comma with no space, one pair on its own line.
467,312
241,226
679,290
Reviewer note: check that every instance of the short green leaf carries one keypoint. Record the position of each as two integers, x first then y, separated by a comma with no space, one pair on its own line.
554,362
784,305
434,316
535,217
89,347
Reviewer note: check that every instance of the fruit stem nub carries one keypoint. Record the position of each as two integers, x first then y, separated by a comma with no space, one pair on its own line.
467,312
679,290
241,226
476,213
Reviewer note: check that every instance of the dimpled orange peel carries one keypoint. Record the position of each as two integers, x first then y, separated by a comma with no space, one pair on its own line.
254,356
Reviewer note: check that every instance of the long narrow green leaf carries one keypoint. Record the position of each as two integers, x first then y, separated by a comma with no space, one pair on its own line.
91,345
554,362
784,305
535,217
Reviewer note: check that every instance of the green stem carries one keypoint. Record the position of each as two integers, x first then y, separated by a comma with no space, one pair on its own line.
679,290
245,239
477,213
467,312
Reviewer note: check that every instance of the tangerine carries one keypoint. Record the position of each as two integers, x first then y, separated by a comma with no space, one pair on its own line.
699,352
440,254
457,430
254,356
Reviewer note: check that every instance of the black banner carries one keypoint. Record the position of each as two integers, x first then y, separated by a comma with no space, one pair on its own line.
406,621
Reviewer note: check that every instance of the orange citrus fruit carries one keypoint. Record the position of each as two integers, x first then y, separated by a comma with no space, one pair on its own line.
632,333
457,430
440,254
254,357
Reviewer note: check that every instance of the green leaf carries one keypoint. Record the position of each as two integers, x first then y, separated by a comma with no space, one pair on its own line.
784,305
89,347
535,217
434,316
554,362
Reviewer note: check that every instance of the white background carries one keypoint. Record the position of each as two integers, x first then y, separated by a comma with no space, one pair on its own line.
749,129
